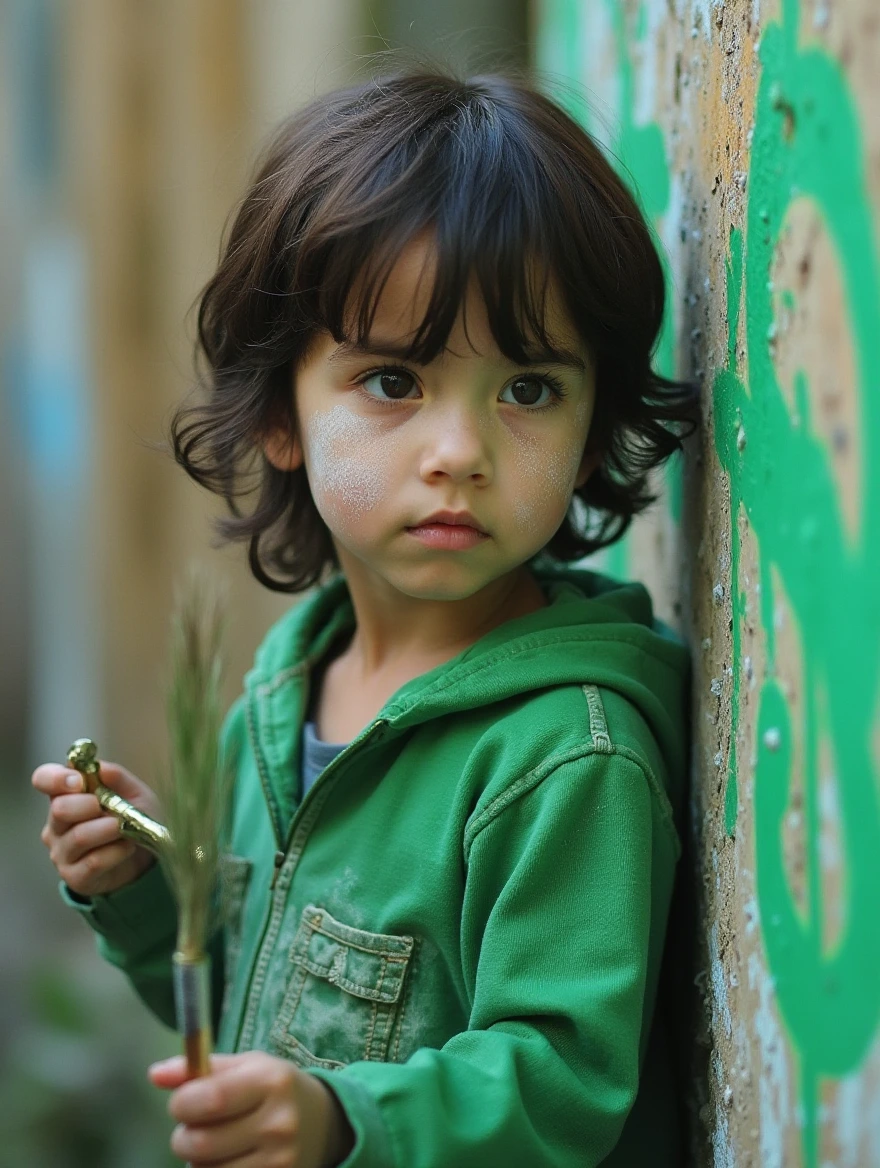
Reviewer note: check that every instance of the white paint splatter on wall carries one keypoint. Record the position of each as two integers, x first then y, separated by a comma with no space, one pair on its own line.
774,1099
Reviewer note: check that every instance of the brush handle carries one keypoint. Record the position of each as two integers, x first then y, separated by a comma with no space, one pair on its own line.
192,1003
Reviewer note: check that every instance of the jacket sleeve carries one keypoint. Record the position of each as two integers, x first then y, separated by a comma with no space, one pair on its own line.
137,924
556,934
137,929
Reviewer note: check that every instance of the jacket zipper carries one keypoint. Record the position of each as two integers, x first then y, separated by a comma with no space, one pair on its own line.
261,768
281,855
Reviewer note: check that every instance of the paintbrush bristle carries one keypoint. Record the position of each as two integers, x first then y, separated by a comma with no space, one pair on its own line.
195,786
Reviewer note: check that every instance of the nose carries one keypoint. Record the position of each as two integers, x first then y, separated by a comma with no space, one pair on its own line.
457,447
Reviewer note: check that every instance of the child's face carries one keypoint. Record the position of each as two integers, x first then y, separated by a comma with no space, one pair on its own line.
471,431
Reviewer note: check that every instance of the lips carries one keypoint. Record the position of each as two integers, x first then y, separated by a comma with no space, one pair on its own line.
452,519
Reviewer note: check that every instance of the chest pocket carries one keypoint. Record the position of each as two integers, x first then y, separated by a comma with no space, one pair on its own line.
344,999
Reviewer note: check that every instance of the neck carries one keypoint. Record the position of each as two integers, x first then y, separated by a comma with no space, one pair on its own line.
398,632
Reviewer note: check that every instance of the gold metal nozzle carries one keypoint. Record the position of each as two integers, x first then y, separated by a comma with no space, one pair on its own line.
133,824
83,757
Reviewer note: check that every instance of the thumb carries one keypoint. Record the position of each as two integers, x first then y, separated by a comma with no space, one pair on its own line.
172,1072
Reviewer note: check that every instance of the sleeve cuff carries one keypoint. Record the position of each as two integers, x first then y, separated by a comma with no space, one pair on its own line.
135,917
372,1148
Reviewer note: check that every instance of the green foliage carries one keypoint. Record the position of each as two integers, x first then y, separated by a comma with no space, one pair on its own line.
73,1087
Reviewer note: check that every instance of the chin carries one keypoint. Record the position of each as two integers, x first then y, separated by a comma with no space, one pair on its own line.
447,582
434,589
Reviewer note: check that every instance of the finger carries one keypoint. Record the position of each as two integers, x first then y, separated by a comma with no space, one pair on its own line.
172,1072
255,1159
93,835
169,1073
53,779
66,810
216,1143
234,1090
252,1159
96,862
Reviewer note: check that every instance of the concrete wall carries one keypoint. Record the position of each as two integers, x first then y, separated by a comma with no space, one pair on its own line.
752,131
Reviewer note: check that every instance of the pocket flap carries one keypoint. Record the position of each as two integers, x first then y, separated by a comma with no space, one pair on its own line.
368,965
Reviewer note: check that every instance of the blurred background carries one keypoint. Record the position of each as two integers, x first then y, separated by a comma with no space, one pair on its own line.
750,130
127,132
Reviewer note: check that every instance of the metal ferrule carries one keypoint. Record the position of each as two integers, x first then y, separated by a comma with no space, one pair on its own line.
192,1005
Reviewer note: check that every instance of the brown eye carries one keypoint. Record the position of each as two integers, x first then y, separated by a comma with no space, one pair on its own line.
527,391
388,385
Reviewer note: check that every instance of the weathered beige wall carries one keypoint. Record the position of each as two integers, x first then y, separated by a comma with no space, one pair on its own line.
752,130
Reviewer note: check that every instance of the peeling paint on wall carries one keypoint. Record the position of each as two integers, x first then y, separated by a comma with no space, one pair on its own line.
752,134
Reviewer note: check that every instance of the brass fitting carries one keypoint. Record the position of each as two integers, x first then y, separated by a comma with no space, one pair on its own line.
133,824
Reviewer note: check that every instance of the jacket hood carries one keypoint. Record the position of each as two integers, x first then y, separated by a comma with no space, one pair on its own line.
594,630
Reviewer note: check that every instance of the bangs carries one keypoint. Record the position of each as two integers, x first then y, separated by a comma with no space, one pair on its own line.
472,177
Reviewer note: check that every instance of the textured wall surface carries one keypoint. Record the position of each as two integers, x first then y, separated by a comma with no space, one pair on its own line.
752,130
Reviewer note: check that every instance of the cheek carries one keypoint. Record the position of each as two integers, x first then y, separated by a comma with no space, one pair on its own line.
543,481
348,468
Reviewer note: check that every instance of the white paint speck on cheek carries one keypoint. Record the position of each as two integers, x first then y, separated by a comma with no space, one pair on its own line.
545,476
348,470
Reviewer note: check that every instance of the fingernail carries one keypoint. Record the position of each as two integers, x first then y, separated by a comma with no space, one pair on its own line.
74,782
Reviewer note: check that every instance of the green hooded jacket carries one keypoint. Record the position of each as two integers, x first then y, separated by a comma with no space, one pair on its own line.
460,926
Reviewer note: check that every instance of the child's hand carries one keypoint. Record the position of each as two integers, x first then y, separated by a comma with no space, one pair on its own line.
83,841
254,1111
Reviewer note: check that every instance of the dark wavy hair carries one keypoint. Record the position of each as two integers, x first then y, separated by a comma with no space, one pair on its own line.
510,186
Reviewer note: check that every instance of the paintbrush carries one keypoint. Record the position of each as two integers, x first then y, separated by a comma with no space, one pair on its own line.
194,789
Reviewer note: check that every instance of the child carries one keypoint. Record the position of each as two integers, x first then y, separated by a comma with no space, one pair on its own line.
459,764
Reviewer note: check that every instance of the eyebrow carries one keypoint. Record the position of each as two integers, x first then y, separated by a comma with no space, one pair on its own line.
350,349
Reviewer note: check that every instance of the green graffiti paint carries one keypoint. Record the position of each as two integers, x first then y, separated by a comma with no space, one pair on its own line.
731,805
639,152
807,145
642,152
558,49
641,148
